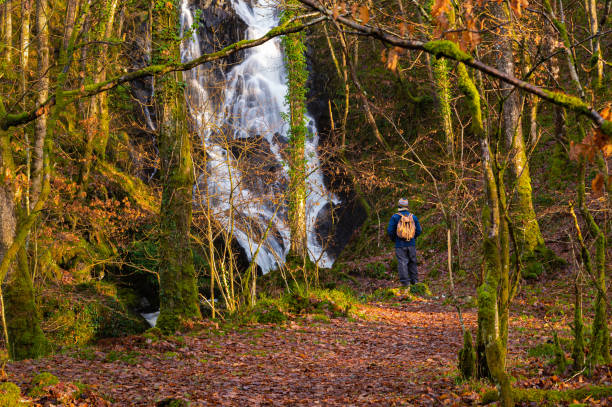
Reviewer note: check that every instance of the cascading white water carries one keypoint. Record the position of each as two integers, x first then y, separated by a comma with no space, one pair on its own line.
252,108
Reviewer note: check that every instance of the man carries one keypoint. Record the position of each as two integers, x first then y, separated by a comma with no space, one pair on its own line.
405,249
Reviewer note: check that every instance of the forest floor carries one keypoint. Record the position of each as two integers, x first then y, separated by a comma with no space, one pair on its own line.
401,351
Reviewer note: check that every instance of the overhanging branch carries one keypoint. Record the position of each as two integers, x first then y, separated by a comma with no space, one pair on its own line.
450,50
15,119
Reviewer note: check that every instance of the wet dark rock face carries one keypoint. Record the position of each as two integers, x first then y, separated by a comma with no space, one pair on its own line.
348,215
218,27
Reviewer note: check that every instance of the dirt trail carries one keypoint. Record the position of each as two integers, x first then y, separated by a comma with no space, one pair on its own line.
402,354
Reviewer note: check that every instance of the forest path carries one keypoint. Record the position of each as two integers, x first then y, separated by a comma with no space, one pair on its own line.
400,354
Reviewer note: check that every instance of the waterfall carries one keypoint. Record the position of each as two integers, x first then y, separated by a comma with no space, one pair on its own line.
247,119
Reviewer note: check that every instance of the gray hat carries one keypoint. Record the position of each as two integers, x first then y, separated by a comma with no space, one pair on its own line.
403,203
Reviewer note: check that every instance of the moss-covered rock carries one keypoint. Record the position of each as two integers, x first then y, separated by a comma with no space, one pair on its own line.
387,294
91,311
269,312
10,395
541,260
532,270
153,334
129,186
39,382
420,289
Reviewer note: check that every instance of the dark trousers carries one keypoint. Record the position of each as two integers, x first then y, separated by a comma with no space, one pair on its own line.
407,265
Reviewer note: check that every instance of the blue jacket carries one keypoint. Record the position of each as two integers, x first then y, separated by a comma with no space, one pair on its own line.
392,230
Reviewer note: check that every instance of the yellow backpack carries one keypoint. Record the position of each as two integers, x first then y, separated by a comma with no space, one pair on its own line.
405,227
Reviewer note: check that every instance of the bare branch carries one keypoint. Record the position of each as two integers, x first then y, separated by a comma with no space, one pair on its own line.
450,50
15,119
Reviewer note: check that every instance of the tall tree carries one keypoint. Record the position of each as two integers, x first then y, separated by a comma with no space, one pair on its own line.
530,235
493,293
7,29
25,337
296,100
178,291
40,129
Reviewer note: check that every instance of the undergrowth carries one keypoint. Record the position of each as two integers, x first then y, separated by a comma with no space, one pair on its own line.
326,303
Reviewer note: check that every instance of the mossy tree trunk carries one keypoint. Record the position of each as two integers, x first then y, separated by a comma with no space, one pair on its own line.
491,329
600,335
523,211
578,348
597,64
25,338
178,289
297,75
40,126
440,71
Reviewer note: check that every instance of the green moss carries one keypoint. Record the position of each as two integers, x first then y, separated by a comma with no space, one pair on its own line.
448,49
552,396
91,311
467,87
10,395
559,165
297,75
26,338
132,187
154,334
542,350
487,298
377,270
606,127
578,331
82,389
327,302
39,382
269,311
441,71
532,270
321,318
467,357
128,357
571,102
560,360
420,289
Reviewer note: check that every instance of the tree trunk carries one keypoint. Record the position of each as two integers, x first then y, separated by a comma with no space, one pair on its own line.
494,248
25,337
8,31
531,237
440,70
40,126
600,336
24,46
296,100
178,289
578,329
596,60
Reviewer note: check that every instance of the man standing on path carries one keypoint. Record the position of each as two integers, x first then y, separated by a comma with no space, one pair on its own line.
403,229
